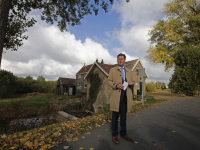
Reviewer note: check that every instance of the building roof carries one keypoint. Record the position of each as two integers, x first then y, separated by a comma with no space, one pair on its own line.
106,67
67,80
84,69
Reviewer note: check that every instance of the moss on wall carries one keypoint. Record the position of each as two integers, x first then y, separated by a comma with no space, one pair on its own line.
95,83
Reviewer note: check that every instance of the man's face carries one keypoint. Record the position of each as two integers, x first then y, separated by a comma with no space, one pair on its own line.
121,61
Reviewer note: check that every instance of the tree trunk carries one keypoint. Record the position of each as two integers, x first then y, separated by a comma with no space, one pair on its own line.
4,11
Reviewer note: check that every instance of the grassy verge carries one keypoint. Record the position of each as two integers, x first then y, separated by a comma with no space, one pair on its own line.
29,107
51,135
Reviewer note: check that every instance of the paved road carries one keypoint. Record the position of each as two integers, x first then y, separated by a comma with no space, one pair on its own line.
172,125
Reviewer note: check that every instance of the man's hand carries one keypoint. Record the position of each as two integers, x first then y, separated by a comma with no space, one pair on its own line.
120,86
130,83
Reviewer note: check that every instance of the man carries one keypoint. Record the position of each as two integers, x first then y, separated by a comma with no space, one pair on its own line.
121,99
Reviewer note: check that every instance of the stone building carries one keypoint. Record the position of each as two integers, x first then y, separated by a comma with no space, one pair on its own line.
66,85
103,72
81,82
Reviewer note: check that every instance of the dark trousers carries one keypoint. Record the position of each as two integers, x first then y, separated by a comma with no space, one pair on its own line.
115,116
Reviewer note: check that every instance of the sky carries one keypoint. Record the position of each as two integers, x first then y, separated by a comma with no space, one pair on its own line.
124,29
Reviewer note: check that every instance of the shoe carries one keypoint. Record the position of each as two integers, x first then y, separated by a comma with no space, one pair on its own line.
127,138
115,139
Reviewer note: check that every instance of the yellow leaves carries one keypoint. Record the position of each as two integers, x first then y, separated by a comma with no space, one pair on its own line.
22,140
50,140
75,139
8,139
28,144
88,133
57,134
47,137
44,146
136,142
97,125
81,148
173,131
91,149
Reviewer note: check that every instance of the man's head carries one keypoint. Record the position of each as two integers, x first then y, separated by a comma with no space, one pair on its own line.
121,59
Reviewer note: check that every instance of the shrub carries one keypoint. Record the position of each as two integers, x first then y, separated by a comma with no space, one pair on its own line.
8,84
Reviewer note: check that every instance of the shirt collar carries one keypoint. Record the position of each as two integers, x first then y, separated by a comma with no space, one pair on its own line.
121,67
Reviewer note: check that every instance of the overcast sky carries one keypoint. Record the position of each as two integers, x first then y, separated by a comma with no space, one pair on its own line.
52,54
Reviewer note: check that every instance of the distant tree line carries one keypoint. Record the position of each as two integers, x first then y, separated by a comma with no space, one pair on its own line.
11,85
154,87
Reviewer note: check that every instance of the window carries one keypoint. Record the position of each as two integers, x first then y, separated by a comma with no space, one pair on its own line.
78,85
101,81
137,72
85,84
79,76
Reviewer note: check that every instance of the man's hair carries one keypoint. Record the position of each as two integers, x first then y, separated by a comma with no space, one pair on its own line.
121,55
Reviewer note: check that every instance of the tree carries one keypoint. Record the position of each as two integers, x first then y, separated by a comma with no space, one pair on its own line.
186,77
7,83
163,85
150,87
158,85
180,28
40,79
14,22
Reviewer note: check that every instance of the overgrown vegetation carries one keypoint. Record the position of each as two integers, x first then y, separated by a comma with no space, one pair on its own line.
10,85
44,105
95,83
155,87
186,77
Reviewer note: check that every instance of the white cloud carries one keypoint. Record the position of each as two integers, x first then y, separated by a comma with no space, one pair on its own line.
137,19
139,11
51,53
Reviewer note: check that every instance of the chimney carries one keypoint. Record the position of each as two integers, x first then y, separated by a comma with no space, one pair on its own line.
84,64
102,61
97,60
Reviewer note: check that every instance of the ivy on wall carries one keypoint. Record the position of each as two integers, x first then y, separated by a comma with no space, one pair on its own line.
95,83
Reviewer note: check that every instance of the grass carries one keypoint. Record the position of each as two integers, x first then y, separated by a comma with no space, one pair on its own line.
140,98
38,101
151,101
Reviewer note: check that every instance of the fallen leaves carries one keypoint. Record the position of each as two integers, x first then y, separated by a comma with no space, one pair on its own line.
66,147
51,135
88,133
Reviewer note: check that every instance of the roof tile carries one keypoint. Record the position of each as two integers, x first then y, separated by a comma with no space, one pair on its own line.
67,80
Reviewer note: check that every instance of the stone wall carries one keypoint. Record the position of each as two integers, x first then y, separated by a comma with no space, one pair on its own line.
104,92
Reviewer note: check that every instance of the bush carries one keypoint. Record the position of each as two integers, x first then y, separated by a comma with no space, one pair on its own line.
8,84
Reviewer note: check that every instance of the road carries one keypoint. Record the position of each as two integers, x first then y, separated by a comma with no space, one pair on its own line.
172,125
